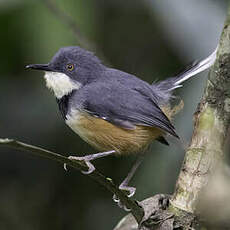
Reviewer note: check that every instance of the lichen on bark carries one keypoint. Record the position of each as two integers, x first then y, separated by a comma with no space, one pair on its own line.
211,125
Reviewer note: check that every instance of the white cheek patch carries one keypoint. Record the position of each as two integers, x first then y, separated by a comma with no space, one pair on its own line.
60,83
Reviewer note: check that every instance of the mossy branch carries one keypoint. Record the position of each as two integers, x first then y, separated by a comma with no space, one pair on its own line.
212,120
136,210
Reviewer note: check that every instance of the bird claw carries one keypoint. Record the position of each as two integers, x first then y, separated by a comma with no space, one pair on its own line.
119,203
115,199
129,190
65,167
90,166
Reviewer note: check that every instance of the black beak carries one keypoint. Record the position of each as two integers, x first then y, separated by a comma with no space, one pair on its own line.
44,67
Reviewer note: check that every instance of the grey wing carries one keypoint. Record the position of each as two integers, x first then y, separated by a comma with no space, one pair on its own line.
125,107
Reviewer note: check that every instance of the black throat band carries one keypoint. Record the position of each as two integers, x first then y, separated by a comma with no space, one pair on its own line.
63,103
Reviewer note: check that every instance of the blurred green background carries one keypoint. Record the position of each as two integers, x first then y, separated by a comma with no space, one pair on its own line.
152,39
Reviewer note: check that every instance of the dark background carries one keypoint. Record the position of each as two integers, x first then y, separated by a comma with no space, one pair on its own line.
152,39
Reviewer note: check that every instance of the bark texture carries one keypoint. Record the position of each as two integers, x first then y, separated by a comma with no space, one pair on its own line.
211,127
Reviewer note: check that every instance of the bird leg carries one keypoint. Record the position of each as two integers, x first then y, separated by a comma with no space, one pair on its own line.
124,184
89,158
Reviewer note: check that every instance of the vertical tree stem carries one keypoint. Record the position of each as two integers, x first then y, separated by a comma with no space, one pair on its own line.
212,120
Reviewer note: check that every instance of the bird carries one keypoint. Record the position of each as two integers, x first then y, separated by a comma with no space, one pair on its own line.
114,111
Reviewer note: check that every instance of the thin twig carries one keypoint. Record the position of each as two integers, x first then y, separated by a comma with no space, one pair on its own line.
136,210
69,21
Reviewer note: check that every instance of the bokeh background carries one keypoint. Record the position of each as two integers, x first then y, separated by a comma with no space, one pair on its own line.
153,39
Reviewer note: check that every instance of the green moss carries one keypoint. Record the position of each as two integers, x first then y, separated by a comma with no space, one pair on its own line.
192,153
181,192
174,210
207,118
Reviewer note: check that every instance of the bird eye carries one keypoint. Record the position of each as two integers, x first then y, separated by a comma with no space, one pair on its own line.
70,67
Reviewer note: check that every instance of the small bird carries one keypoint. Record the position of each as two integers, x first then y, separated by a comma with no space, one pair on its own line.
114,111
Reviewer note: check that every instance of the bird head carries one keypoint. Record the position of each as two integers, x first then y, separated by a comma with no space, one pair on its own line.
70,69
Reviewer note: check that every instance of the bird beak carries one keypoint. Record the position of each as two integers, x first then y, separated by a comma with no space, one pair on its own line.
44,67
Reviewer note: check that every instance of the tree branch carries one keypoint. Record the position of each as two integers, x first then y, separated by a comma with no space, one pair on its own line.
69,21
136,210
212,120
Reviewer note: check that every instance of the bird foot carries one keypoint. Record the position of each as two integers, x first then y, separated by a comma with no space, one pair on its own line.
130,191
86,160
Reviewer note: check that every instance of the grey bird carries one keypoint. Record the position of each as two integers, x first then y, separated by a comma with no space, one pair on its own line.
114,111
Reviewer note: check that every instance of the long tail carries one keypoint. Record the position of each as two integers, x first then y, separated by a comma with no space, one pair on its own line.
175,82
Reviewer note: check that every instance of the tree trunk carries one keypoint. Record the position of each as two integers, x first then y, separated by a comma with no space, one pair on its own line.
203,156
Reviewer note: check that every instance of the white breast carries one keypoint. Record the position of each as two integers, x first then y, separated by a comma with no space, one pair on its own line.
60,83
73,119
77,122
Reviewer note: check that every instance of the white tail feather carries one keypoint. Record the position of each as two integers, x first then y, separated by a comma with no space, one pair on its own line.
201,66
